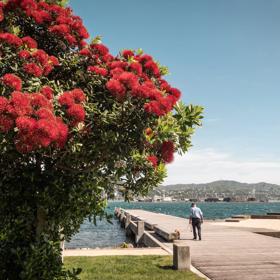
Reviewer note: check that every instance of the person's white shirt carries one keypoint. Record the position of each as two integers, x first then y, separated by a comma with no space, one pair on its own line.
196,213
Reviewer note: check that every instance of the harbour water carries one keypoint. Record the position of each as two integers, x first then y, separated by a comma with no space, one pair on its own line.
111,235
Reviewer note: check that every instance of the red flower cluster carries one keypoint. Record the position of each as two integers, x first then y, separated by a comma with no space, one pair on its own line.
59,20
12,81
135,75
98,70
98,53
72,101
10,39
153,160
29,42
33,116
38,62
1,11
167,151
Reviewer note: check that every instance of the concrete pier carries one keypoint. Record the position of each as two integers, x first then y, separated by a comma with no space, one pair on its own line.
226,252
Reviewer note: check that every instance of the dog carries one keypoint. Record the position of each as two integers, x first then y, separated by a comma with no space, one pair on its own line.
177,232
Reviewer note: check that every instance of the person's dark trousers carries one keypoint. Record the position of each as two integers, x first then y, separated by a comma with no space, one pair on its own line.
196,224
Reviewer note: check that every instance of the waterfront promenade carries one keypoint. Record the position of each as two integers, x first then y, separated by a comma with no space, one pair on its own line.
227,252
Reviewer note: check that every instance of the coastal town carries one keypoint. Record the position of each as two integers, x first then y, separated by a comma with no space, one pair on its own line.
219,191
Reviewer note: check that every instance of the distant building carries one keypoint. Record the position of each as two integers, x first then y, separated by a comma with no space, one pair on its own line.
211,199
156,198
167,199
251,199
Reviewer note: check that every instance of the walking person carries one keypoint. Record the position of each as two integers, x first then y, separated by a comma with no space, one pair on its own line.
196,219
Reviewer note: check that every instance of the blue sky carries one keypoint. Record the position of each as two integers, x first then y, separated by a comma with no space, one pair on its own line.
223,55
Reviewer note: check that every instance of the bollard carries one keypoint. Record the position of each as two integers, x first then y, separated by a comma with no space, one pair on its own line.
181,256
140,231
122,219
127,220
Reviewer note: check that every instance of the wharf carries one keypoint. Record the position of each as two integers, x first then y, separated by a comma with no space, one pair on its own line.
225,252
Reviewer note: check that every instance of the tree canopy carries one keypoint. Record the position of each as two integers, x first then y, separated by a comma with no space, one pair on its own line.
76,123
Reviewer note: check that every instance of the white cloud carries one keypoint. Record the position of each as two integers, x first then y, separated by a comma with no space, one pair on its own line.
203,166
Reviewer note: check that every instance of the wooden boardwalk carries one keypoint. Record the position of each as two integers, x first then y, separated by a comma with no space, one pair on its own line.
225,253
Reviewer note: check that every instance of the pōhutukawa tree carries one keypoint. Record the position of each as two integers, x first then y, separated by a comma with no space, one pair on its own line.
75,122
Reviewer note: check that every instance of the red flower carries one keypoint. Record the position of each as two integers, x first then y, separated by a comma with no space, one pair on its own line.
39,100
19,104
29,42
153,108
62,29
44,113
116,72
141,91
41,57
54,61
12,81
175,92
127,53
118,64
62,19
116,88
153,160
152,67
47,69
107,58
85,52
145,90
82,44
33,69
62,133
46,132
28,4
70,39
77,113
10,39
3,104
98,70
129,79
144,58
167,151
164,85
82,32
24,54
25,124
6,123
47,92
1,14
66,99
41,16
100,49
136,67
78,95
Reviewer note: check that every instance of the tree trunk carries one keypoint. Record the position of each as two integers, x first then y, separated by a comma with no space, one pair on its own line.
40,222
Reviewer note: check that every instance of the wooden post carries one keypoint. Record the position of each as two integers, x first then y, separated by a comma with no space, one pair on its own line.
127,220
122,219
181,257
140,231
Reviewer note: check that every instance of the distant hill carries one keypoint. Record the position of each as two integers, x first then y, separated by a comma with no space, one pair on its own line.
221,188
